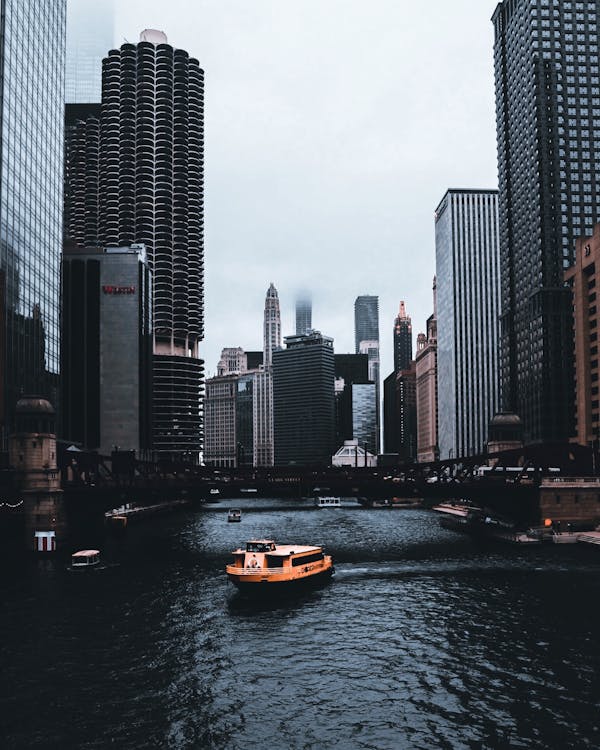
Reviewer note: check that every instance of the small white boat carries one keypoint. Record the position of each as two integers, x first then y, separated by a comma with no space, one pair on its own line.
328,502
88,560
234,514
214,491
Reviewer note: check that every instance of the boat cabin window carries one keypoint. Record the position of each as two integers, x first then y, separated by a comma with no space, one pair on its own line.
316,556
260,547
84,559
275,561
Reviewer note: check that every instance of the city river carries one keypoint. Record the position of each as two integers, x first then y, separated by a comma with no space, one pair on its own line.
422,640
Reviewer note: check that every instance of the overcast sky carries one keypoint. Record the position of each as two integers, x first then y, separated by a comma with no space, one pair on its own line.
332,130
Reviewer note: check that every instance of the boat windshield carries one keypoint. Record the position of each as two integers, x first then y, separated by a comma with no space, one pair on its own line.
260,547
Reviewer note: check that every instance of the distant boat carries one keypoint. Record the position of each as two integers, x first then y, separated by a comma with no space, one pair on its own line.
328,502
234,514
248,490
87,561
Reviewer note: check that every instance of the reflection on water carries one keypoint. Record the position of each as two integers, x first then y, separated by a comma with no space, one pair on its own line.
421,640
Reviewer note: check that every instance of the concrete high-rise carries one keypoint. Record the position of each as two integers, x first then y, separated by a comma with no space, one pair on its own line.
303,315
467,272
90,34
583,277
32,57
303,400
402,340
547,73
426,389
234,360
143,165
220,444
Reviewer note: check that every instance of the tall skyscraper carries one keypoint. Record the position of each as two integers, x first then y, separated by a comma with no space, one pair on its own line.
90,34
399,416
143,166
263,382
32,56
466,250
366,320
546,59
402,340
303,388
272,325
427,393
400,413
303,315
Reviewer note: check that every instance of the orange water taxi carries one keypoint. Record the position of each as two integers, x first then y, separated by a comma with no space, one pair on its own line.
264,566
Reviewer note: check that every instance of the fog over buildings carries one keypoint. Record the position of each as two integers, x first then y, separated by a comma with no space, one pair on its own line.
331,131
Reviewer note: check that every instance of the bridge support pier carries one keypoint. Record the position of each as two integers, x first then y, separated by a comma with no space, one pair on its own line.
32,453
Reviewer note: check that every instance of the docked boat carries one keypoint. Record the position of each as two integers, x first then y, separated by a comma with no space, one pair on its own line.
479,523
265,567
234,515
328,502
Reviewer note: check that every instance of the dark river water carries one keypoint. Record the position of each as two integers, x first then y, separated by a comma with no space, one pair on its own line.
423,639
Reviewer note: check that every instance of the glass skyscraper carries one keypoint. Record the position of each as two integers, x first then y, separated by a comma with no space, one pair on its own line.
364,415
303,315
90,34
366,319
466,251
548,128
31,176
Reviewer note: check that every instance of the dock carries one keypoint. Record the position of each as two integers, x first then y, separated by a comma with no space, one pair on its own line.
124,515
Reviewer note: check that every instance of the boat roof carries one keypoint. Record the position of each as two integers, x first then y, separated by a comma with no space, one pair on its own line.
283,549
290,549
86,553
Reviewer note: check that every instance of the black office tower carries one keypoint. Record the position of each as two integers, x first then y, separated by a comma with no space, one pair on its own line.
106,349
548,129
303,408
402,340
137,173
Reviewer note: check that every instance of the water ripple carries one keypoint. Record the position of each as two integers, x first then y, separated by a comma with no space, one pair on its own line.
422,640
